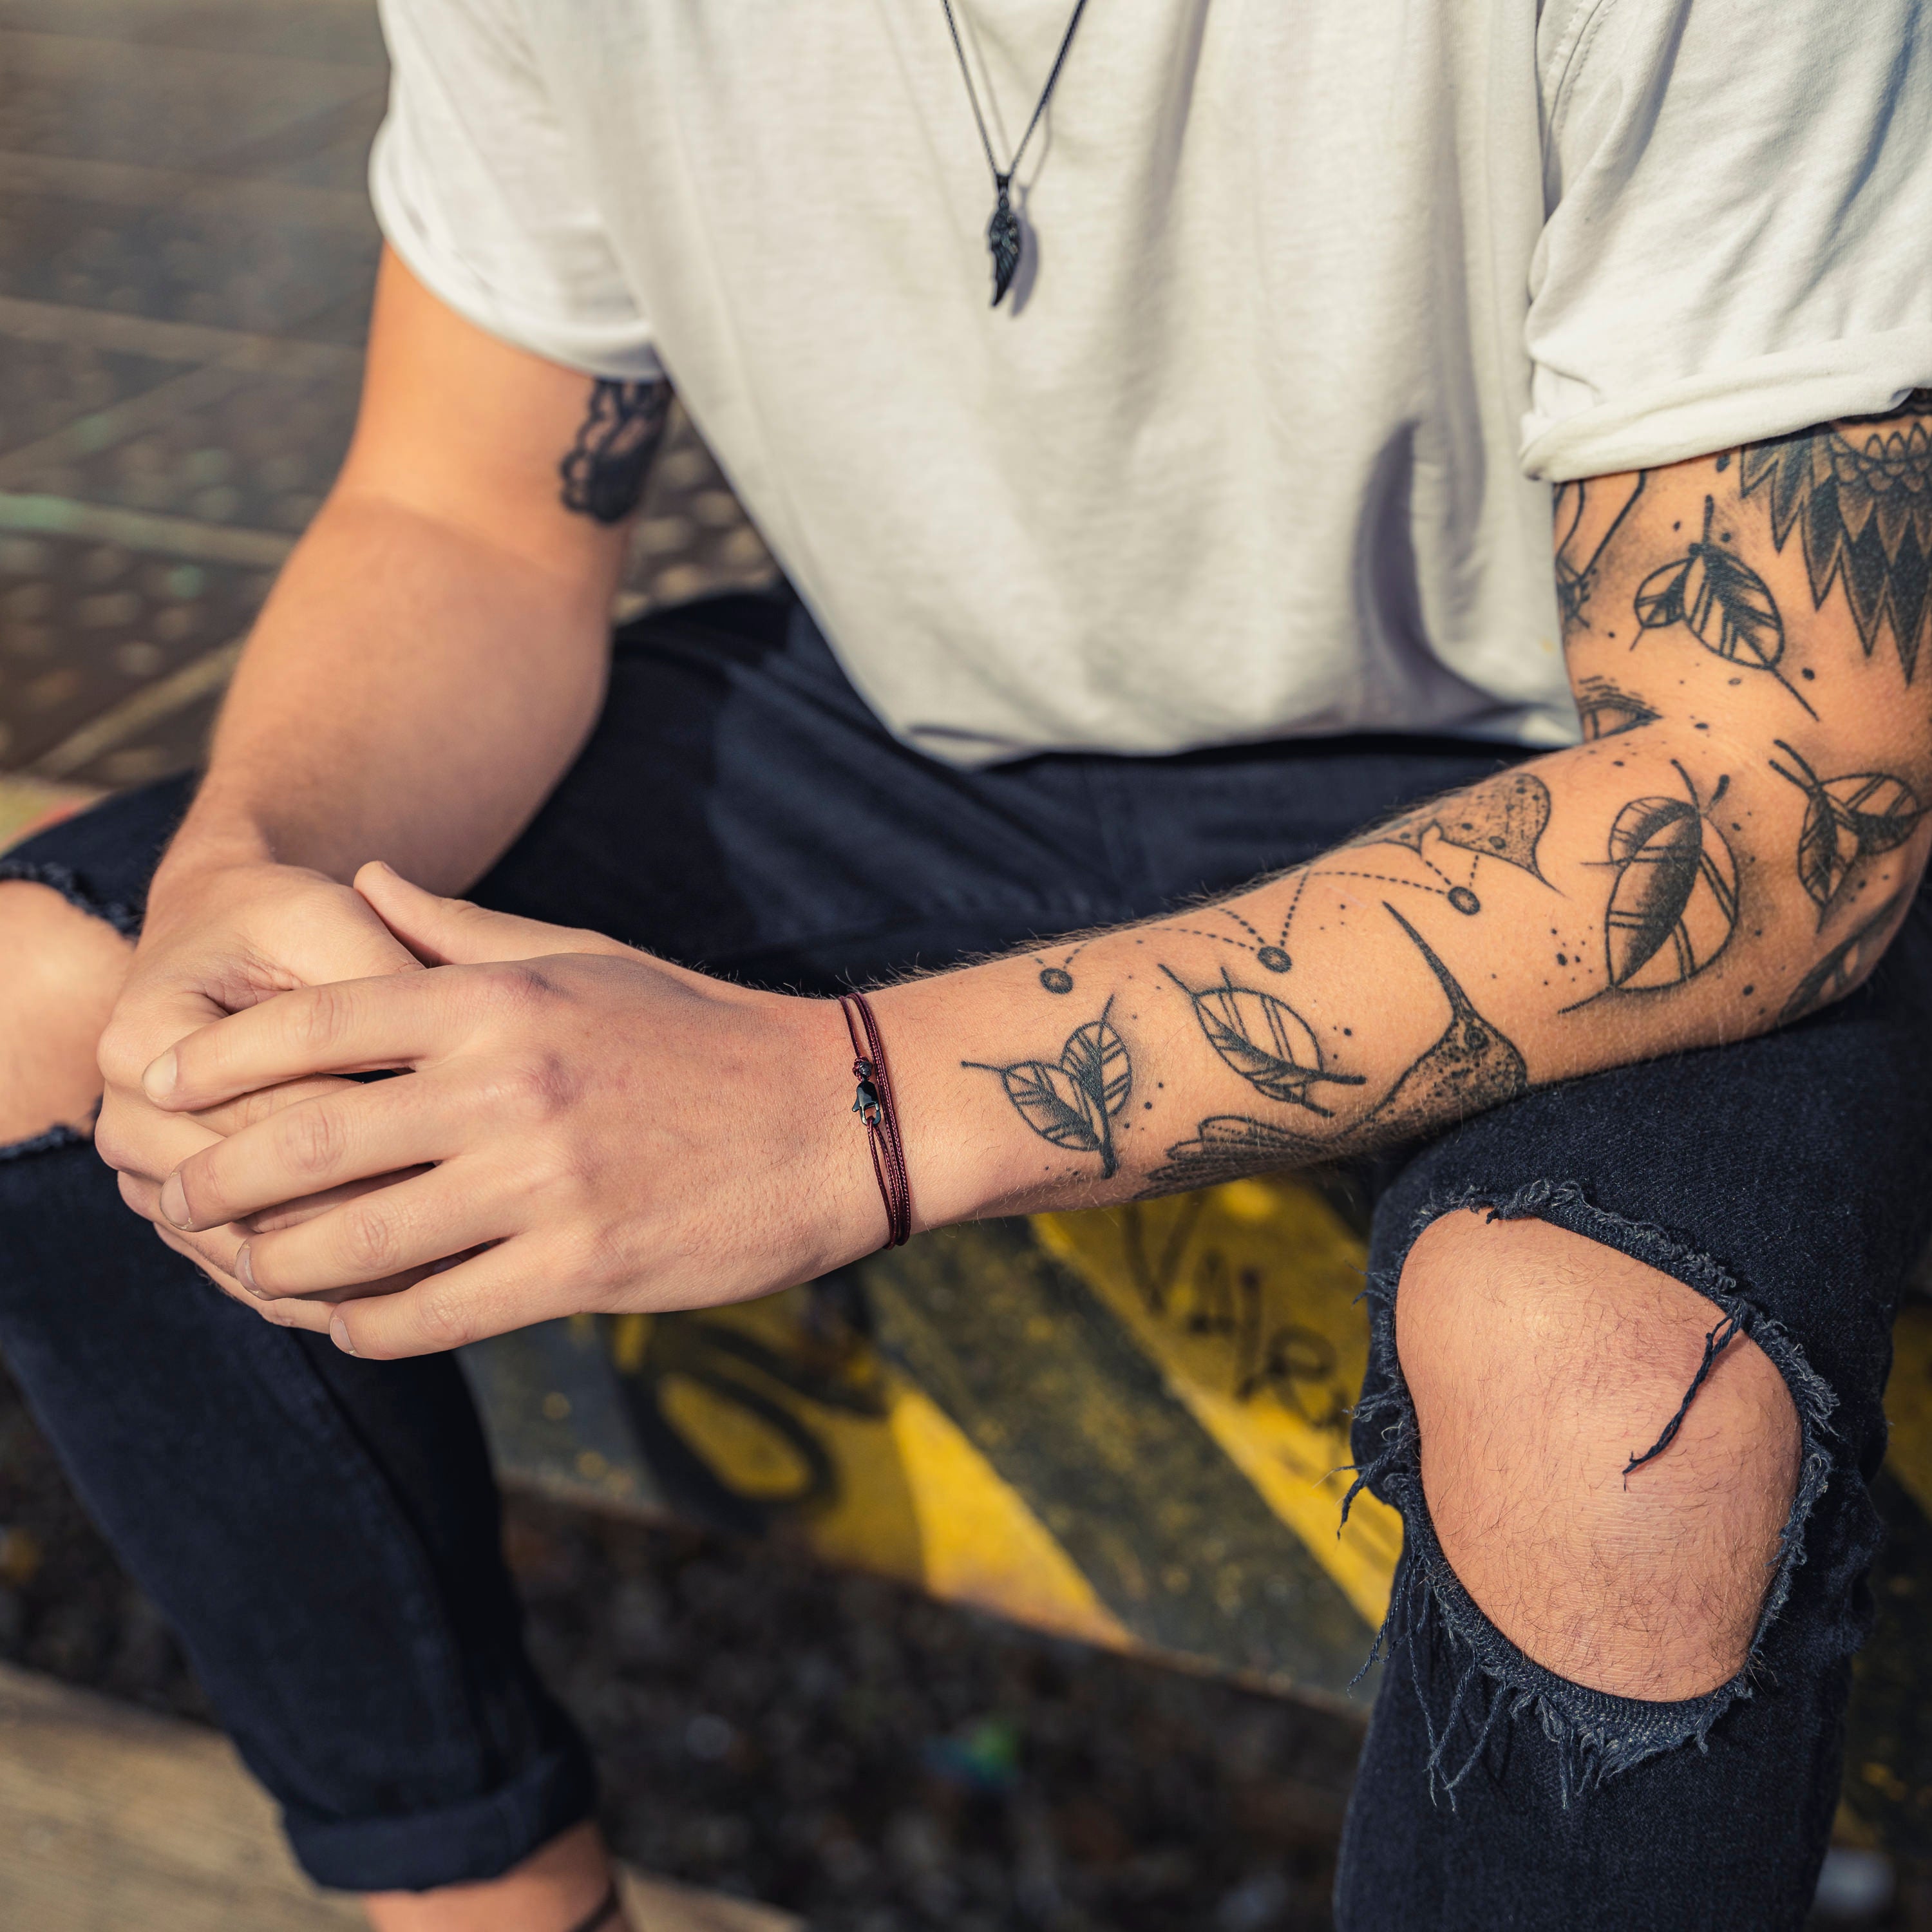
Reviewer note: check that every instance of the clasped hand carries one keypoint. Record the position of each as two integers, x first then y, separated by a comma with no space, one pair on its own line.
574,1126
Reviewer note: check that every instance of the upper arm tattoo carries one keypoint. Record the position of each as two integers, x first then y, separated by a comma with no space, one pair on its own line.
1861,497
1845,819
1589,512
604,472
1722,602
1765,865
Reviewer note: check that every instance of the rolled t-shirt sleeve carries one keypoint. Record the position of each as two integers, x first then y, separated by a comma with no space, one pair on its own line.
1739,236
479,189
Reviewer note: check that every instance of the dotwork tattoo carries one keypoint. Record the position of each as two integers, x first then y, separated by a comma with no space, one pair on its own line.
1588,513
1847,963
1846,820
1504,819
1074,1101
603,473
1264,1040
1860,495
1058,978
1472,1067
1722,602
1675,904
1605,712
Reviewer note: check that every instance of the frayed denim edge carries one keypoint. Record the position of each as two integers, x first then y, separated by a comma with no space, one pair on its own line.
1597,1735
50,1142
125,919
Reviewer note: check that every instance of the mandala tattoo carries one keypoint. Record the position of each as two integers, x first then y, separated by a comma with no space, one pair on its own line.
1860,496
604,474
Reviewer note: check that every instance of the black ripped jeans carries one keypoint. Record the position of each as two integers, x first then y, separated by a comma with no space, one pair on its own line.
322,1532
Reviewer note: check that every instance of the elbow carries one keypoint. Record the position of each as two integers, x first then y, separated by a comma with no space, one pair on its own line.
1842,966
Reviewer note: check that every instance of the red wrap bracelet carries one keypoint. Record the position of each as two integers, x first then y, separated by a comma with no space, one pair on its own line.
874,1105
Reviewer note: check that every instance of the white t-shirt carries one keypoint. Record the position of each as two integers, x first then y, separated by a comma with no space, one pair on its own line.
1325,292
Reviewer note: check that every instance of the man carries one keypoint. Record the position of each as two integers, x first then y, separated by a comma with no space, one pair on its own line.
1215,551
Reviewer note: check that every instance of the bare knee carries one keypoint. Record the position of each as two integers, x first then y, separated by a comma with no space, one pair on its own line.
1539,1364
60,971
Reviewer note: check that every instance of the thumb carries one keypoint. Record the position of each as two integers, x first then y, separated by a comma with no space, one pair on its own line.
453,932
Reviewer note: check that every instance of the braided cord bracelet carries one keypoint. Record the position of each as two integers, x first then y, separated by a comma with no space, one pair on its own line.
874,1105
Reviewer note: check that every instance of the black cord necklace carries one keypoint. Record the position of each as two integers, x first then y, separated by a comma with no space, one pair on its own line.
1003,232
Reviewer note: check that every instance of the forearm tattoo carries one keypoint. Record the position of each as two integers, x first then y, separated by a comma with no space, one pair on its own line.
1702,670
604,472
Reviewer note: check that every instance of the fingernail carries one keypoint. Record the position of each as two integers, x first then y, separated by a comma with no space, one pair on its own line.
174,1201
338,1334
244,1270
158,1082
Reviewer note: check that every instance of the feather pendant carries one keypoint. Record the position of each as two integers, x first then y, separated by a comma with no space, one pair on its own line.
1002,243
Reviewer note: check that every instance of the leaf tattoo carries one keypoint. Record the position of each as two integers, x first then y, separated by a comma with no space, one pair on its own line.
1722,603
1675,904
1846,820
1072,1101
1263,1039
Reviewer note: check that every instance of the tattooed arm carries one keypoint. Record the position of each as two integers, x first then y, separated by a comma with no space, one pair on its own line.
1732,845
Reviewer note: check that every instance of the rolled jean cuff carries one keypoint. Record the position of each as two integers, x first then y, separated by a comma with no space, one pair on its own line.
458,1844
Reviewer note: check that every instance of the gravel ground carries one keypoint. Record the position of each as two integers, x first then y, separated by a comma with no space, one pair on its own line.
841,1747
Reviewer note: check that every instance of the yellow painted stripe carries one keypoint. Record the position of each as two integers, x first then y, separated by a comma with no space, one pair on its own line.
1247,1300
1908,1402
979,1542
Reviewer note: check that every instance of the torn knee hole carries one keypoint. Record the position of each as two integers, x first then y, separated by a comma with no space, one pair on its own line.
1608,1459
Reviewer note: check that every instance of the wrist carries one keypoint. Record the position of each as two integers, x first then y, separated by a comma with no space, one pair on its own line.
962,1161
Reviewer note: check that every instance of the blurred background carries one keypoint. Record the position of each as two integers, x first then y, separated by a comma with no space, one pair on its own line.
186,253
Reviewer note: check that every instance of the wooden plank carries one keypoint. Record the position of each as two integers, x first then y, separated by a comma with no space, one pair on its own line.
112,1816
